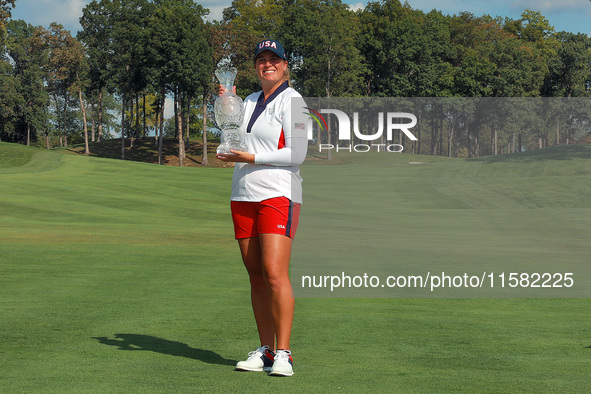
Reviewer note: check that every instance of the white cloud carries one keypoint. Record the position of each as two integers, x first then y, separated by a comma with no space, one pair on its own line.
215,7
44,12
356,6
68,12
215,12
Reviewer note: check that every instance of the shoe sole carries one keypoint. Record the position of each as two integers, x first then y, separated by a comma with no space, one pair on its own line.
280,374
264,369
248,370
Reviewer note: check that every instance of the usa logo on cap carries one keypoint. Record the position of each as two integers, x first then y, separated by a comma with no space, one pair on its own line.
270,45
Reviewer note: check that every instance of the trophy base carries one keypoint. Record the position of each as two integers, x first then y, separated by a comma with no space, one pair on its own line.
225,148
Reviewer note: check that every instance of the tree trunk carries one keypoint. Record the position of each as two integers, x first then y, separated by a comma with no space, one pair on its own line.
64,142
123,127
100,115
176,118
157,120
204,159
136,132
179,117
496,141
144,116
163,98
29,127
441,135
134,117
187,122
434,129
86,149
450,139
93,122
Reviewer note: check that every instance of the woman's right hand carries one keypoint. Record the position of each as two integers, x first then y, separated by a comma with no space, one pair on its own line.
223,89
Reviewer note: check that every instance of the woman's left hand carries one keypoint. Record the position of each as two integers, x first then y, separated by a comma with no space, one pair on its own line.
236,156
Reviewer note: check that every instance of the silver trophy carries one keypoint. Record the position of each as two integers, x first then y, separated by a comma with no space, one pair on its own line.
229,111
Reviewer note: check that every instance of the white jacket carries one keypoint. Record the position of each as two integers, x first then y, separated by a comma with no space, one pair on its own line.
275,133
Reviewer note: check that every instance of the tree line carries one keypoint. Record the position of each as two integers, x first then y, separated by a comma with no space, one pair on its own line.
57,89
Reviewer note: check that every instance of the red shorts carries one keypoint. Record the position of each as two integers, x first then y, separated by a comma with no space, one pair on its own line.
273,216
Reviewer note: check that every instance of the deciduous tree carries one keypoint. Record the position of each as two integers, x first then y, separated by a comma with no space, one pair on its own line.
29,62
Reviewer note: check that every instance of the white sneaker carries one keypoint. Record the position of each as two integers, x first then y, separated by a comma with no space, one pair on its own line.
283,364
259,360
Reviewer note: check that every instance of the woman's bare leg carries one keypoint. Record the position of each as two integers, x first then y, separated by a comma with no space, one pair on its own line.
261,301
275,251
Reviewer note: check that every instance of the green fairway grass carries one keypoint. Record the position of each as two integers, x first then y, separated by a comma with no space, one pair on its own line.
15,155
119,276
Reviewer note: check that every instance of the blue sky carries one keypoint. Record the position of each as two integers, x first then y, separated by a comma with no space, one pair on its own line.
568,15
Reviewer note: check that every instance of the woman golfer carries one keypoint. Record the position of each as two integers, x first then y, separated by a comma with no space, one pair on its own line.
266,198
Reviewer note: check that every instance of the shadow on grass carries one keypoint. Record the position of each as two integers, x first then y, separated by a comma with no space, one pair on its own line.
164,346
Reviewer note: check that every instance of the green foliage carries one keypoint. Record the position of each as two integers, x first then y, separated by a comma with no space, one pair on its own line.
5,14
29,68
392,42
96,23
11,100
260,18
569,69
144,47
323,54
245,23
179,54
533,26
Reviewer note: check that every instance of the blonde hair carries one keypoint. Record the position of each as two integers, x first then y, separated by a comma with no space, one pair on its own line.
287,75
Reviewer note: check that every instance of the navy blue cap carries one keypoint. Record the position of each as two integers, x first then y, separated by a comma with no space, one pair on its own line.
270,45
